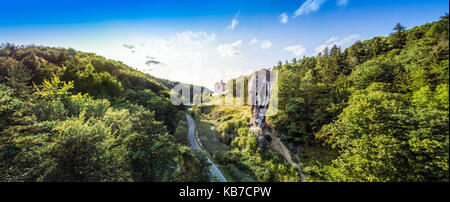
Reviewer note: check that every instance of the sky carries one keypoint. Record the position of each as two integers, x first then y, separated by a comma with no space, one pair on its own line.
204,41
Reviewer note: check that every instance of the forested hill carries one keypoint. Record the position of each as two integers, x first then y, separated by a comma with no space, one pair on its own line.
72,116
376,111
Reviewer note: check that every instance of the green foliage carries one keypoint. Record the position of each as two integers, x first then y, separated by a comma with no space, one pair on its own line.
243,157
65,117
77,154
192,166
381,104
378,110
381,69
9,107
181,131
398,38
380,139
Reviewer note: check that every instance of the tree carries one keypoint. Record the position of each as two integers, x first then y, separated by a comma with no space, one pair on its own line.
380,139
398,38
18,77
398,28
78,154
377,46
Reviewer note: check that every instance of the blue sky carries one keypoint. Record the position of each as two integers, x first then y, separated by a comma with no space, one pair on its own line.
204,41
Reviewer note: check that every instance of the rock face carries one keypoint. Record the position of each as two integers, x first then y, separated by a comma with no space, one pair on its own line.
259,92
260,89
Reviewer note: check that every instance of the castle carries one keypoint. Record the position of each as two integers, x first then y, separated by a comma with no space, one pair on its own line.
219,87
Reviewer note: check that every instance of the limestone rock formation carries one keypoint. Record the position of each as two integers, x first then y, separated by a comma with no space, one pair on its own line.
260,89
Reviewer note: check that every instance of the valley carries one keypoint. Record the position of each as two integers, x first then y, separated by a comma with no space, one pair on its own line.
374,111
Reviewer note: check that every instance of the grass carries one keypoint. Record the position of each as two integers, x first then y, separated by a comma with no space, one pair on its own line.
316,161
237,173
209,141
212,145
215,116
217,151
218,115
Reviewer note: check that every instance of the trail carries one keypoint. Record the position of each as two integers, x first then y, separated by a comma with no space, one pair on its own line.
214,172
277,145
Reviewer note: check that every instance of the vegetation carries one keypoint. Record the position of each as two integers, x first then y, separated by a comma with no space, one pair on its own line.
376,111
219,152
381,104
73,116
238,149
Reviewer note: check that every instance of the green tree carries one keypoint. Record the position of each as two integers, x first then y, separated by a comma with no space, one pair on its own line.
378,138
398,38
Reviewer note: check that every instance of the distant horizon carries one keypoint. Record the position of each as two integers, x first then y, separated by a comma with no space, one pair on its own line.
203,42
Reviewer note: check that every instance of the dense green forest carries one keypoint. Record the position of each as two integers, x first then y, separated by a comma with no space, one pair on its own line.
375,111
378,109
72,116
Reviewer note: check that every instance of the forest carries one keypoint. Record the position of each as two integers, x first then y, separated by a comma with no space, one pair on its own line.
375,111
74,116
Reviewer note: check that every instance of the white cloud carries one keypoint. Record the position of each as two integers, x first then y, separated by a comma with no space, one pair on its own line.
335,41
297,50
190,37
342,2
264,44
322,47
230,49
283,18
308,7
350,39
332,39
234,22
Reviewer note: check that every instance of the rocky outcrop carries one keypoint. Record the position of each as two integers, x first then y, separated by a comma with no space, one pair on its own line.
260,89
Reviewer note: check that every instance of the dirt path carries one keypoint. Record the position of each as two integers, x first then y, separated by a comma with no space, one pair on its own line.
277,145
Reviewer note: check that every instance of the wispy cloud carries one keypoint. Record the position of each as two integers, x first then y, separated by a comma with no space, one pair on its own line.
296,50
190,37
283,18
342,2
308,7
264,44
129,46
332,39
152,62
230,49
234,22
338,42
311,6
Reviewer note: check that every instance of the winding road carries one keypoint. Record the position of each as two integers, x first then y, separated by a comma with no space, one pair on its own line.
214,172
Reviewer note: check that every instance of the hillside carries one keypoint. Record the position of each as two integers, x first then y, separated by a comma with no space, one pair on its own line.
376,111
74,116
